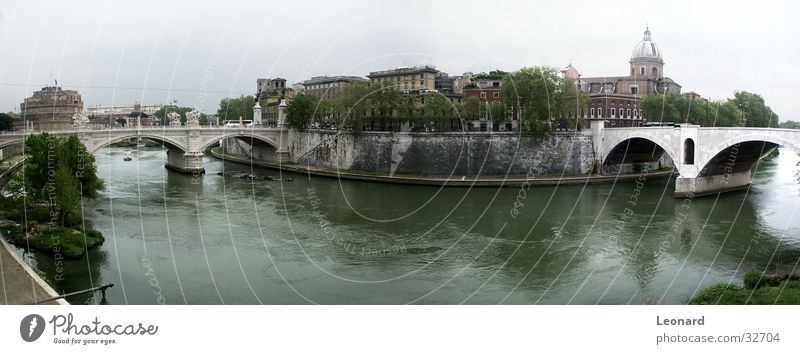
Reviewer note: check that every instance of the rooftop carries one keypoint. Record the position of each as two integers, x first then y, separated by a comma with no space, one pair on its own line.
404,70
330,79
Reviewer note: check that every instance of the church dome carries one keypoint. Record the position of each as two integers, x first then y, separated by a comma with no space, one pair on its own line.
646,48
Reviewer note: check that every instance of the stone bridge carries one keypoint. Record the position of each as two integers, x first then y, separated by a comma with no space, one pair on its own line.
708,160
185,145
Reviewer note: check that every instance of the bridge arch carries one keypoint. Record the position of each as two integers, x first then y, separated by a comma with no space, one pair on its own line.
6,143
239,134
98,143
637,147
740,153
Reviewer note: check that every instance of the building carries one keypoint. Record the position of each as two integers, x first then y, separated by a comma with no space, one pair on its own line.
328,86
108,115
50,108
615,99
407,79
487,88
271,87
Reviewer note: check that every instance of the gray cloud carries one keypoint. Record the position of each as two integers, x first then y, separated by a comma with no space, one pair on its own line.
197,53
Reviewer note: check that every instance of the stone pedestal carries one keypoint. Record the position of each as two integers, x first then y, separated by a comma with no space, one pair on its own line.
690,187
257,114
190,162
282,114
597,127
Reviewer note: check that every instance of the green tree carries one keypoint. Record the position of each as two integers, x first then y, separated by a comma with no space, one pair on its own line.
497,113
58,171
439,110
67,195
756,112
573,101
301,110
679,108
407,109
233,108
659,108
790,124
472,108
385,99
354,104
6,122
534,93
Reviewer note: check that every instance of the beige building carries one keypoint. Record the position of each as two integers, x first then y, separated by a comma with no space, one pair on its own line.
407,79
328,86
50,108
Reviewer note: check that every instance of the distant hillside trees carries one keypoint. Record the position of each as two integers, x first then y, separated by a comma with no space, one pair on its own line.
745,109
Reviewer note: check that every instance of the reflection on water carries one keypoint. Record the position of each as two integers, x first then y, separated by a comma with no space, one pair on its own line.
181,239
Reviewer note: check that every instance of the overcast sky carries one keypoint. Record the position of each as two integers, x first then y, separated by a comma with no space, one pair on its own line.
118,52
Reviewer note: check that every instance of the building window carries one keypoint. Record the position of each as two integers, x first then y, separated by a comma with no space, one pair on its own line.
613,112
592,112
629,113
496,95
421,83
600,112
641,70
634,90
483,94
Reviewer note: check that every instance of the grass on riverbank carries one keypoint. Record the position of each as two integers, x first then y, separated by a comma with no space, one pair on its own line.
43,233
758,289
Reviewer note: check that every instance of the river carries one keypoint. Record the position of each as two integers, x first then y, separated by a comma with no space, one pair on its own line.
177,239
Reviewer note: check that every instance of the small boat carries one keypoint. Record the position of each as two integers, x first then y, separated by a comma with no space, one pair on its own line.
127,156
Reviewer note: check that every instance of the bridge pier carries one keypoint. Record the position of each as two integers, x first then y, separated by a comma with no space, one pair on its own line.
690,187
189,162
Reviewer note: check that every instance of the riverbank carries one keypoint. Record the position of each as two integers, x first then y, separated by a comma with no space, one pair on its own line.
21,285
758,289
445,181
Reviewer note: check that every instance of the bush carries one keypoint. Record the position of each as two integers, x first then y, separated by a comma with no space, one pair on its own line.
58,240
38,214
753,279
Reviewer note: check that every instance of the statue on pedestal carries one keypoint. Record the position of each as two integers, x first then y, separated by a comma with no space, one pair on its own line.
80,121
174,119
192,118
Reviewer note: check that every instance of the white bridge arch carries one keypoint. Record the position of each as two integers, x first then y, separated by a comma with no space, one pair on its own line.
185,144
708,160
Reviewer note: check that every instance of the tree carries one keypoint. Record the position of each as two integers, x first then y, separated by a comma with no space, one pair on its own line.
573,101
385,99
756,112
354,104
534,94
439,110
67,195
679,108
301,110
6,122
790,124
122,121
472,108
497,113
59,171
233,108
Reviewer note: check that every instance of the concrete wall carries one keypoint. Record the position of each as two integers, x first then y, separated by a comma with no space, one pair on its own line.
242,147
458,154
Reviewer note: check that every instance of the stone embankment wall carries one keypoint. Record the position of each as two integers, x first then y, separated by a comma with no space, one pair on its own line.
458,154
